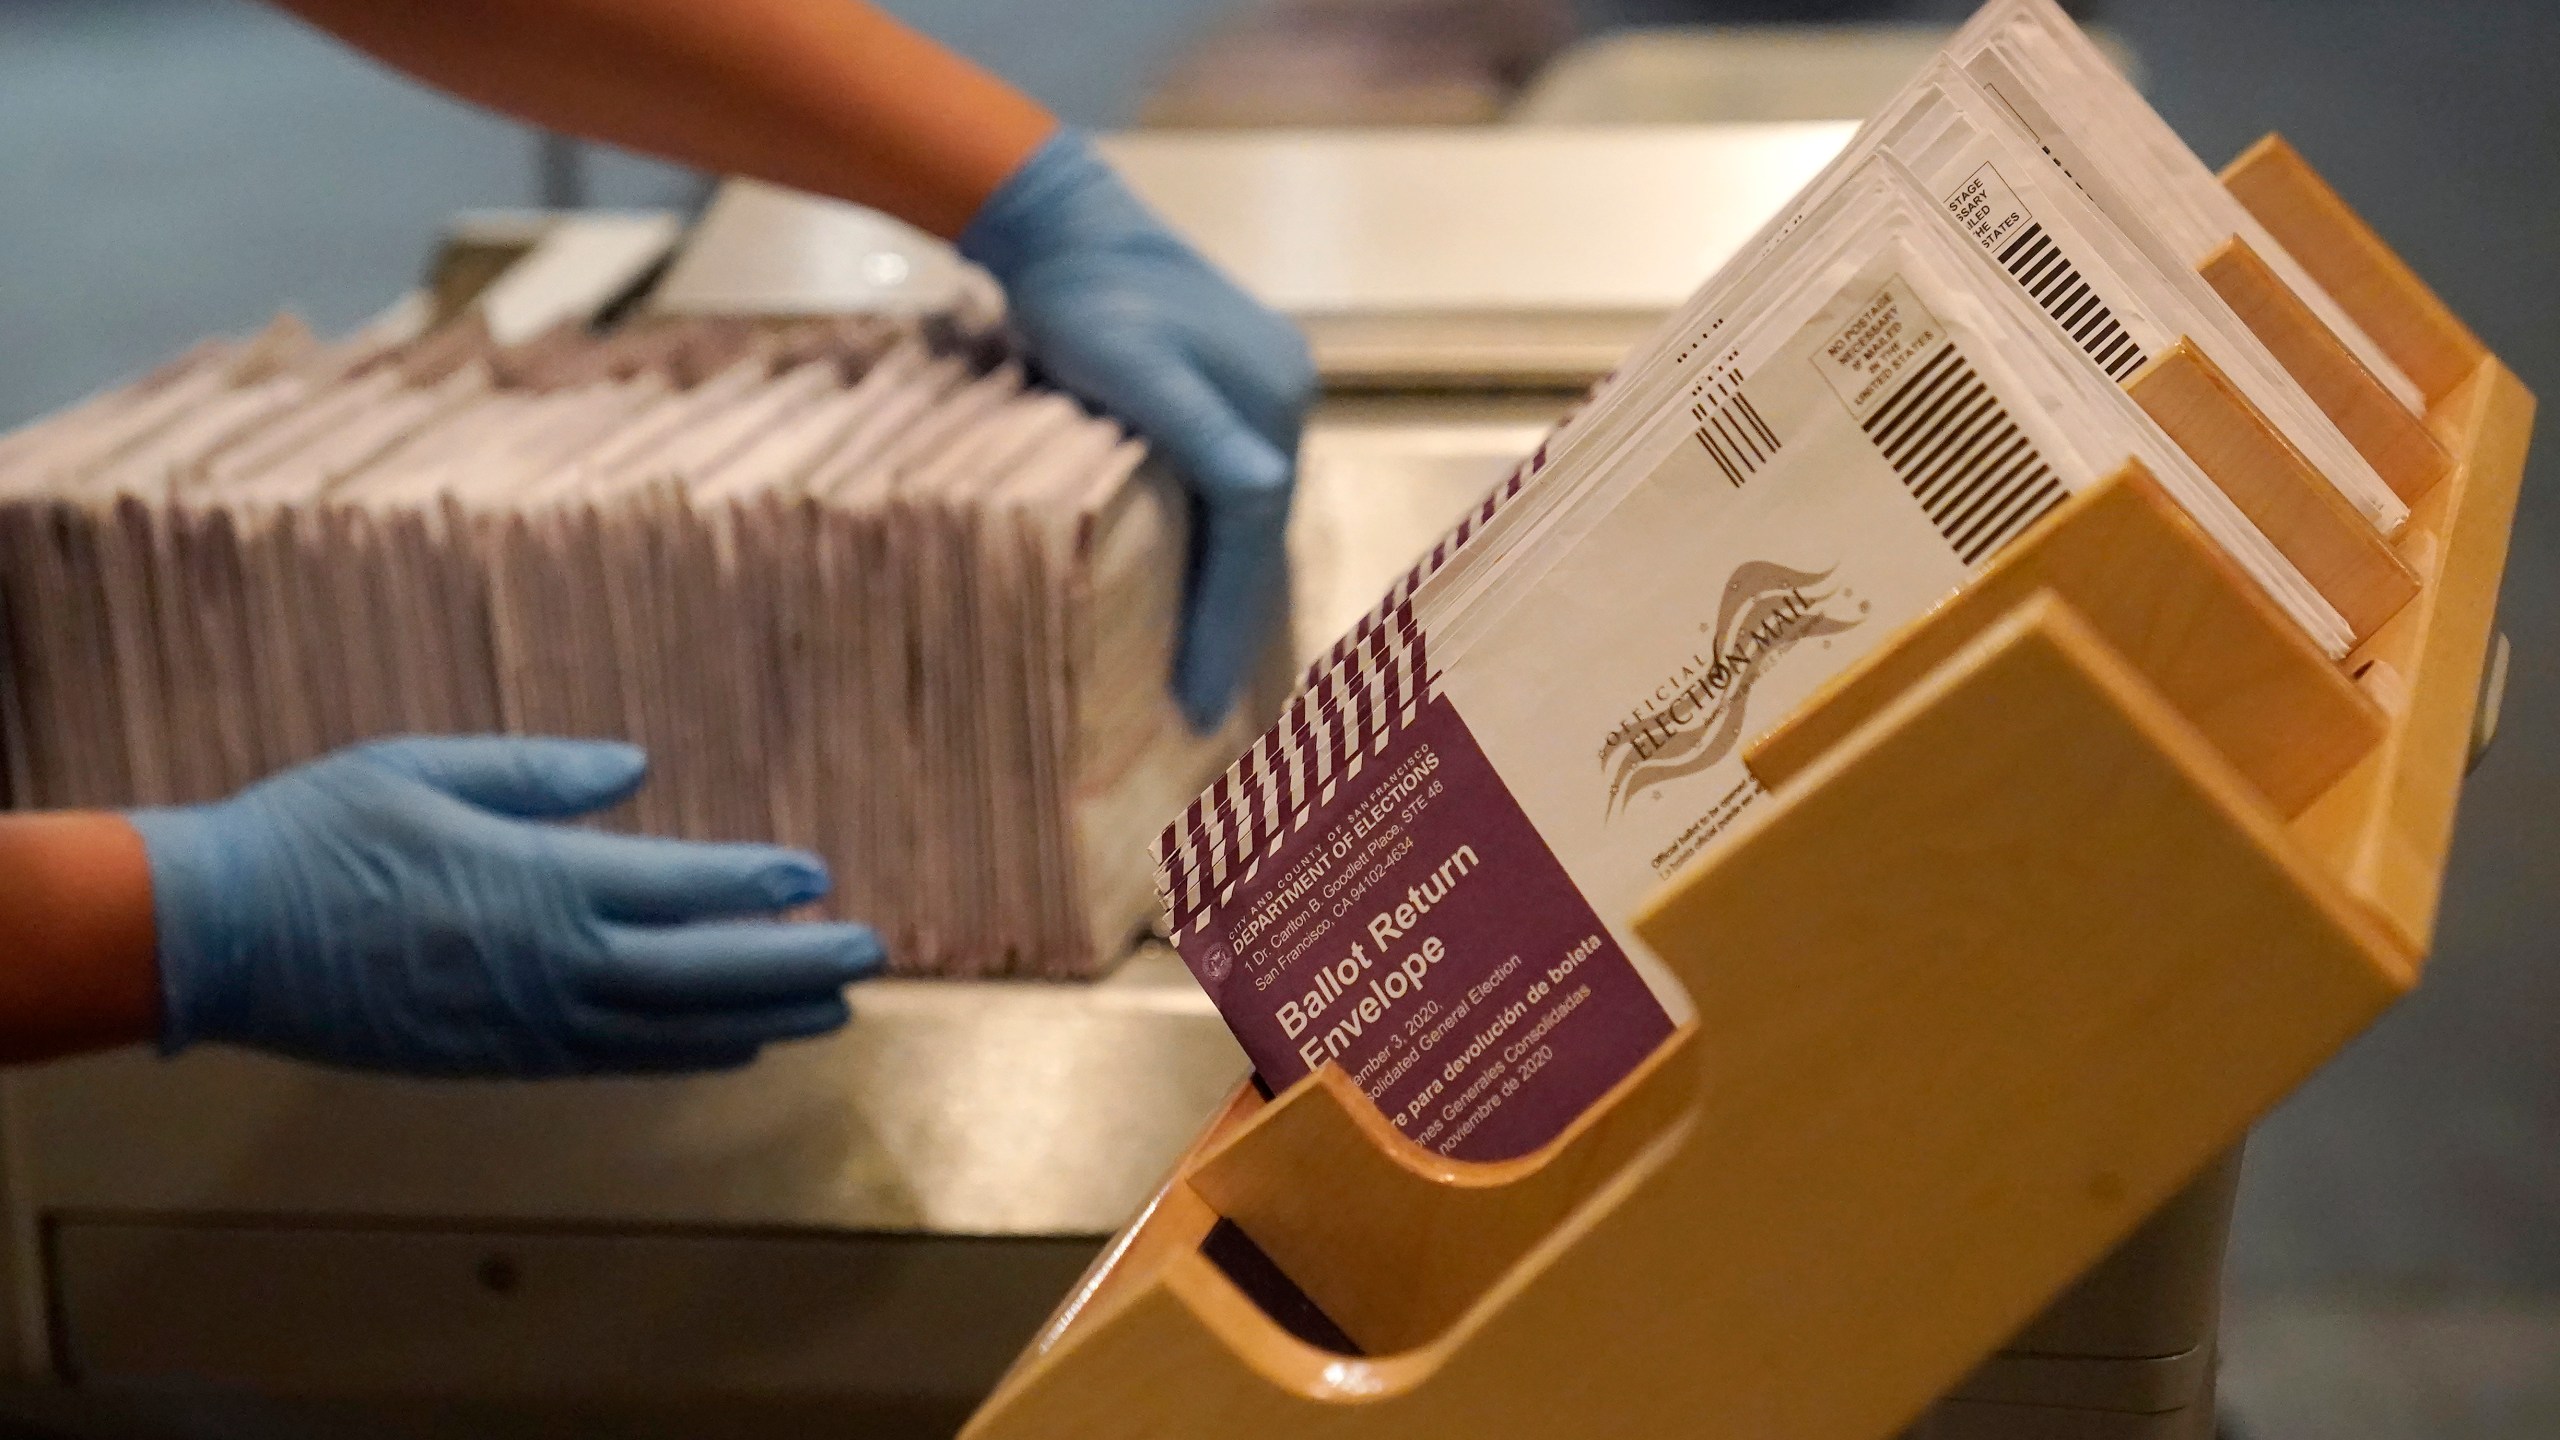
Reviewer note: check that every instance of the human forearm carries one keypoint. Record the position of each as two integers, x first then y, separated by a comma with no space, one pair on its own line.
76,957
832,96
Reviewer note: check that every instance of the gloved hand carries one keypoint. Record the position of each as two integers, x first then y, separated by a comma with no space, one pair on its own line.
1126,316
396,907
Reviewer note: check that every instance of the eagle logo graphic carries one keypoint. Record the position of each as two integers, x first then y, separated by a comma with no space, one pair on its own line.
1767,610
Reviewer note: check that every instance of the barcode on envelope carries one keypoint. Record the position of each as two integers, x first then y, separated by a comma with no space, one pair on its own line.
1962,457
1735,435
2057,285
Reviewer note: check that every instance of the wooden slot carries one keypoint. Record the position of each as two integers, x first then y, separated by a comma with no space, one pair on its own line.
2368,280
1431,1236
2014,949
2018,960
2337,550
2172,603
2371,417
1169,1227
2389,823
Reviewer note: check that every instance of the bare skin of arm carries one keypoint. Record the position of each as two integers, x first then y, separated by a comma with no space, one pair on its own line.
77,970
831,96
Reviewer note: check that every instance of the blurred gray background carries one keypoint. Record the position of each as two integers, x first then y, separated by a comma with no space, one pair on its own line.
170,168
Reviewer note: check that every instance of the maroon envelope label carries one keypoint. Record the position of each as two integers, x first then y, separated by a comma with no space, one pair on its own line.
1416,931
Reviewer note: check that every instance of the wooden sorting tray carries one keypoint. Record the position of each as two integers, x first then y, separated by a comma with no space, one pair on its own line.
2054,897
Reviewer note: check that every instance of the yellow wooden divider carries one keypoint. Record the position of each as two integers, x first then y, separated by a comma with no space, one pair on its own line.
2050,901
2168,600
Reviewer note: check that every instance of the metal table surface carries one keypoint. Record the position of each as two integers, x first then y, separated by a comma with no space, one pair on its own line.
1448,255
958,1108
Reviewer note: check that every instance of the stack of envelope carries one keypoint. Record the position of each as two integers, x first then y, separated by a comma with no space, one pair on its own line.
857,587
1426,870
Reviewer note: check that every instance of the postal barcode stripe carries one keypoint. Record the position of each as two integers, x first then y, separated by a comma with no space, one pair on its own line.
1917,417
1735,436
2058,287
1975,473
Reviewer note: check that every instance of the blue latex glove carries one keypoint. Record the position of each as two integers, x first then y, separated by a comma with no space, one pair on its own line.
397,907
1124,315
